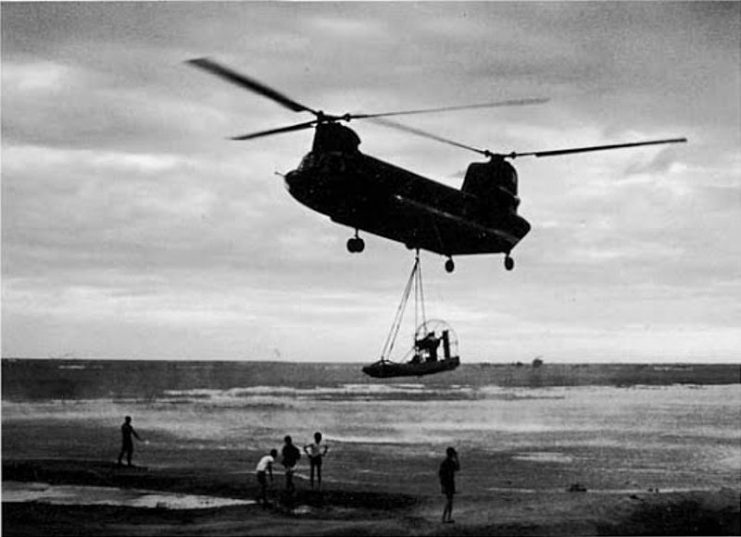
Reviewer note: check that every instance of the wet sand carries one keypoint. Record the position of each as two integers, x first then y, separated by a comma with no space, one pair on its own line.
343,509
521,452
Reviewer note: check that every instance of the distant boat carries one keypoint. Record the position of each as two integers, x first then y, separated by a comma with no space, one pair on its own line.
428,338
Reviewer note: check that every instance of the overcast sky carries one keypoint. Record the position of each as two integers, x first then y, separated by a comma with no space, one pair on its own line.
133,228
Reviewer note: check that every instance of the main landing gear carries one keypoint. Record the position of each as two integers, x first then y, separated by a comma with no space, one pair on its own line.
449,265
355,244
509,263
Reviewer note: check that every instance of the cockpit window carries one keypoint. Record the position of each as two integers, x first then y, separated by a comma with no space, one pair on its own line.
309,161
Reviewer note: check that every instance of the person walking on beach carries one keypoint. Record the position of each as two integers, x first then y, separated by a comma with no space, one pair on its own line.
291,455
264,467
316,452
127,442
447,471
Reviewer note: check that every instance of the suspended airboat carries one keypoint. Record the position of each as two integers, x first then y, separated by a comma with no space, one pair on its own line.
435,345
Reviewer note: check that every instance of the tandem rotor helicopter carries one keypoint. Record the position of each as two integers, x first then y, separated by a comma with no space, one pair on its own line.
368,194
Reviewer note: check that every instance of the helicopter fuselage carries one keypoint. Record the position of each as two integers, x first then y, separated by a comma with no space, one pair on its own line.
368,194
365,193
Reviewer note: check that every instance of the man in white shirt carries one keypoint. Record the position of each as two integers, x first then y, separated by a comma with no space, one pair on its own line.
264,467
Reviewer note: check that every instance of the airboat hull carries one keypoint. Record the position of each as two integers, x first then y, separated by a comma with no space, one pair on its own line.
386,369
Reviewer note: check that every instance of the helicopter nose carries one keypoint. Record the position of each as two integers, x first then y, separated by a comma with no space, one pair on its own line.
290,179
296,183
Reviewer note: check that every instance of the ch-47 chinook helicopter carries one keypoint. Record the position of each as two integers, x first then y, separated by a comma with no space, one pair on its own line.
365,193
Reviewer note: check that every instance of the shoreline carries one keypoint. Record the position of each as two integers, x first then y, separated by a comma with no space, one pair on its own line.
524,450
343,509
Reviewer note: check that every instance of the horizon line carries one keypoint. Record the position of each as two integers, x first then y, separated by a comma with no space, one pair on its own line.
318,362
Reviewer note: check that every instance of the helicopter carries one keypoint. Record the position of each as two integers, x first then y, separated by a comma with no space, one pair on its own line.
365,193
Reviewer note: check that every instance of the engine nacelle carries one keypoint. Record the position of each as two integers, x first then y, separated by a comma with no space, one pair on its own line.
330,137
494,183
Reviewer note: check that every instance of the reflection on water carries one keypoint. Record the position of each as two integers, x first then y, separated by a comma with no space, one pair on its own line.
396,413
86,495
680,433
667,490
486,413
543,456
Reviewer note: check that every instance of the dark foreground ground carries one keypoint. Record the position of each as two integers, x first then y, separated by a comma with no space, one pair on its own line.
342,510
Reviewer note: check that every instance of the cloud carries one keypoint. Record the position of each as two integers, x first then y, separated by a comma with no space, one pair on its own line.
133,228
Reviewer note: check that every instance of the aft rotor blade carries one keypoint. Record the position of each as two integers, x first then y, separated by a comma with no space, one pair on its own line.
511,102
270,132
424,134
248,83
594,148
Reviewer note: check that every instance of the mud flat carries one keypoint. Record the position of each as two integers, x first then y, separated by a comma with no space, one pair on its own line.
343,509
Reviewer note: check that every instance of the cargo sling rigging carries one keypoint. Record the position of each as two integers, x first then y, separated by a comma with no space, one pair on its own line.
414,283
430,335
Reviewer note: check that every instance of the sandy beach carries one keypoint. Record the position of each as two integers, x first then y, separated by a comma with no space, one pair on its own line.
545,460
344,510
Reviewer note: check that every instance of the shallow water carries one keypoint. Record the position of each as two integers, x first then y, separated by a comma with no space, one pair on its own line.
603,491
89,495
658,436
543,456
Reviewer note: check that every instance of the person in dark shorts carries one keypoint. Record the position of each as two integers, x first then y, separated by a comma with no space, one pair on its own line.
291,456
264,467
316,452
127,442
447,471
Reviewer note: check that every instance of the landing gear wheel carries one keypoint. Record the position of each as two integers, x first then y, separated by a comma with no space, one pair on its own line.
449,265
509,263
355,245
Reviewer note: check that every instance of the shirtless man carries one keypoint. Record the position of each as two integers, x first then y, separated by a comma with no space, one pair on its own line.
291,455
127,442
447,471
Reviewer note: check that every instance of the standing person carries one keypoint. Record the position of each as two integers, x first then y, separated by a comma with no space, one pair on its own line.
127,442
291,455
265,465
316,452
447,471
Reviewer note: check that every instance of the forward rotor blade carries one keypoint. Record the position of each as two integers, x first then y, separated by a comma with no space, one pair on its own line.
594,148
270,132
424,134
248,83
512,102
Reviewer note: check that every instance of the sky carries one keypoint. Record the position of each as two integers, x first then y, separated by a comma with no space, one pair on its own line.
133,228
